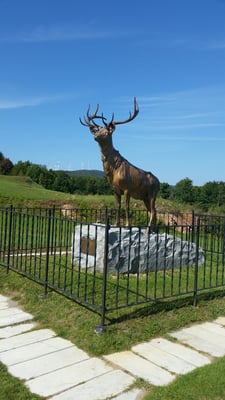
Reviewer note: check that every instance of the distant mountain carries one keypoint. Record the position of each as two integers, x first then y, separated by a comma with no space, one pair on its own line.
86,172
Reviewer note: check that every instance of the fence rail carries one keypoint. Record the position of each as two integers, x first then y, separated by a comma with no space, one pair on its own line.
80,254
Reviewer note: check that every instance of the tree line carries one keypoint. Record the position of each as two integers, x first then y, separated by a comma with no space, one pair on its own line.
210,195
55,180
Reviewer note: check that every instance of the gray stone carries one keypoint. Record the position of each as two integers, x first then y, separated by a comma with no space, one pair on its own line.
12,315
100,388
68,377
173,357
203,338
131,250
49,359
14,330
141,368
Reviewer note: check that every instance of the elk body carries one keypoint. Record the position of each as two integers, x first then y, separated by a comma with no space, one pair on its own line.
125,178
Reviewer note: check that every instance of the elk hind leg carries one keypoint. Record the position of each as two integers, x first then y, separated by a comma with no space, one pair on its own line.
150,205
118,207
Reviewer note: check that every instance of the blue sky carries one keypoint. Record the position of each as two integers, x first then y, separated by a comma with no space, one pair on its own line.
57,56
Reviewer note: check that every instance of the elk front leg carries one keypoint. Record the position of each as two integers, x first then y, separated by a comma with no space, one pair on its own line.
127,208
118,207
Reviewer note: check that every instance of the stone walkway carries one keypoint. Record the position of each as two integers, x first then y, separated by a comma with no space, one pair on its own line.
55,368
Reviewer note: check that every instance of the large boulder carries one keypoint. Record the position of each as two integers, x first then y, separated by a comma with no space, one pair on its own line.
131,250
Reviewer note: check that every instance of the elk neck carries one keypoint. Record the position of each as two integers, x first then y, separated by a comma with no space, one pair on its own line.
111,158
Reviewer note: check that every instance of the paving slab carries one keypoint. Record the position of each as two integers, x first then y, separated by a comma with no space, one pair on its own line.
4,305
10,311
214,328
33,350
3,298
134,394
141,368
99,388
202,340
25,339
183,352
220,320
48,363
161,356
12,316
9,331
68,377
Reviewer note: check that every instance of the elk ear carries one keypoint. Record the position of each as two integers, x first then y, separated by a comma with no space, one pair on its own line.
111,128
93,129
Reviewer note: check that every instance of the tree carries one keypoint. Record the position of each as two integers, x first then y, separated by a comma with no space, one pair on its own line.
62,182
183,191
165,190
34,171
6,166
21,168
212,194
79,184
103,186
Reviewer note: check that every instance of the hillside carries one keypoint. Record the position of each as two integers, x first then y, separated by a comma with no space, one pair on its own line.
86,172
21,189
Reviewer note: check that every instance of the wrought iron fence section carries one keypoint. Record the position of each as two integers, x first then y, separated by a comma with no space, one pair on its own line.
82,255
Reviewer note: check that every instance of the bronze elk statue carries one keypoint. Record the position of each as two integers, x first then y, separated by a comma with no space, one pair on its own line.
125,178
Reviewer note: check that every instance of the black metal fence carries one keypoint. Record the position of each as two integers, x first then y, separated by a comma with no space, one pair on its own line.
81,254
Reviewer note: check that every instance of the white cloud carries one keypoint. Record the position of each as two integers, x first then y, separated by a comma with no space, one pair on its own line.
180,138
29,101
57,33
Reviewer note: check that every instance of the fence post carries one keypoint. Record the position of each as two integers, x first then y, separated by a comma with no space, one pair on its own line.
193,226
9,237
53,225
196,264
101,328
48,249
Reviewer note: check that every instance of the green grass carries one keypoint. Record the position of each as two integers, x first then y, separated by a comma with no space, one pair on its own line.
19,190
127,328
12,388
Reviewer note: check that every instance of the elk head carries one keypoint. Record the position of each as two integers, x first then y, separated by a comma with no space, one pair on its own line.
102,133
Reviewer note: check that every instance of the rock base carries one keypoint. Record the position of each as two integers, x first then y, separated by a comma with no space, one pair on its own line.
131,250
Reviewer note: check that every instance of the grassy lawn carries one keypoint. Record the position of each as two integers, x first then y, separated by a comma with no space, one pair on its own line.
125,328
21,188
21,191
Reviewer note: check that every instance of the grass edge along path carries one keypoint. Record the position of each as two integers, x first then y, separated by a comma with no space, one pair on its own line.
13,388
205,383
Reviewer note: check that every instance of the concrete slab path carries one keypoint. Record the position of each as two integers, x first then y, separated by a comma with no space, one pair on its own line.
57,369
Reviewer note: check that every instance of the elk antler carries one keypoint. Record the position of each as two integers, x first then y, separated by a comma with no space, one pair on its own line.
90,118
131,117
